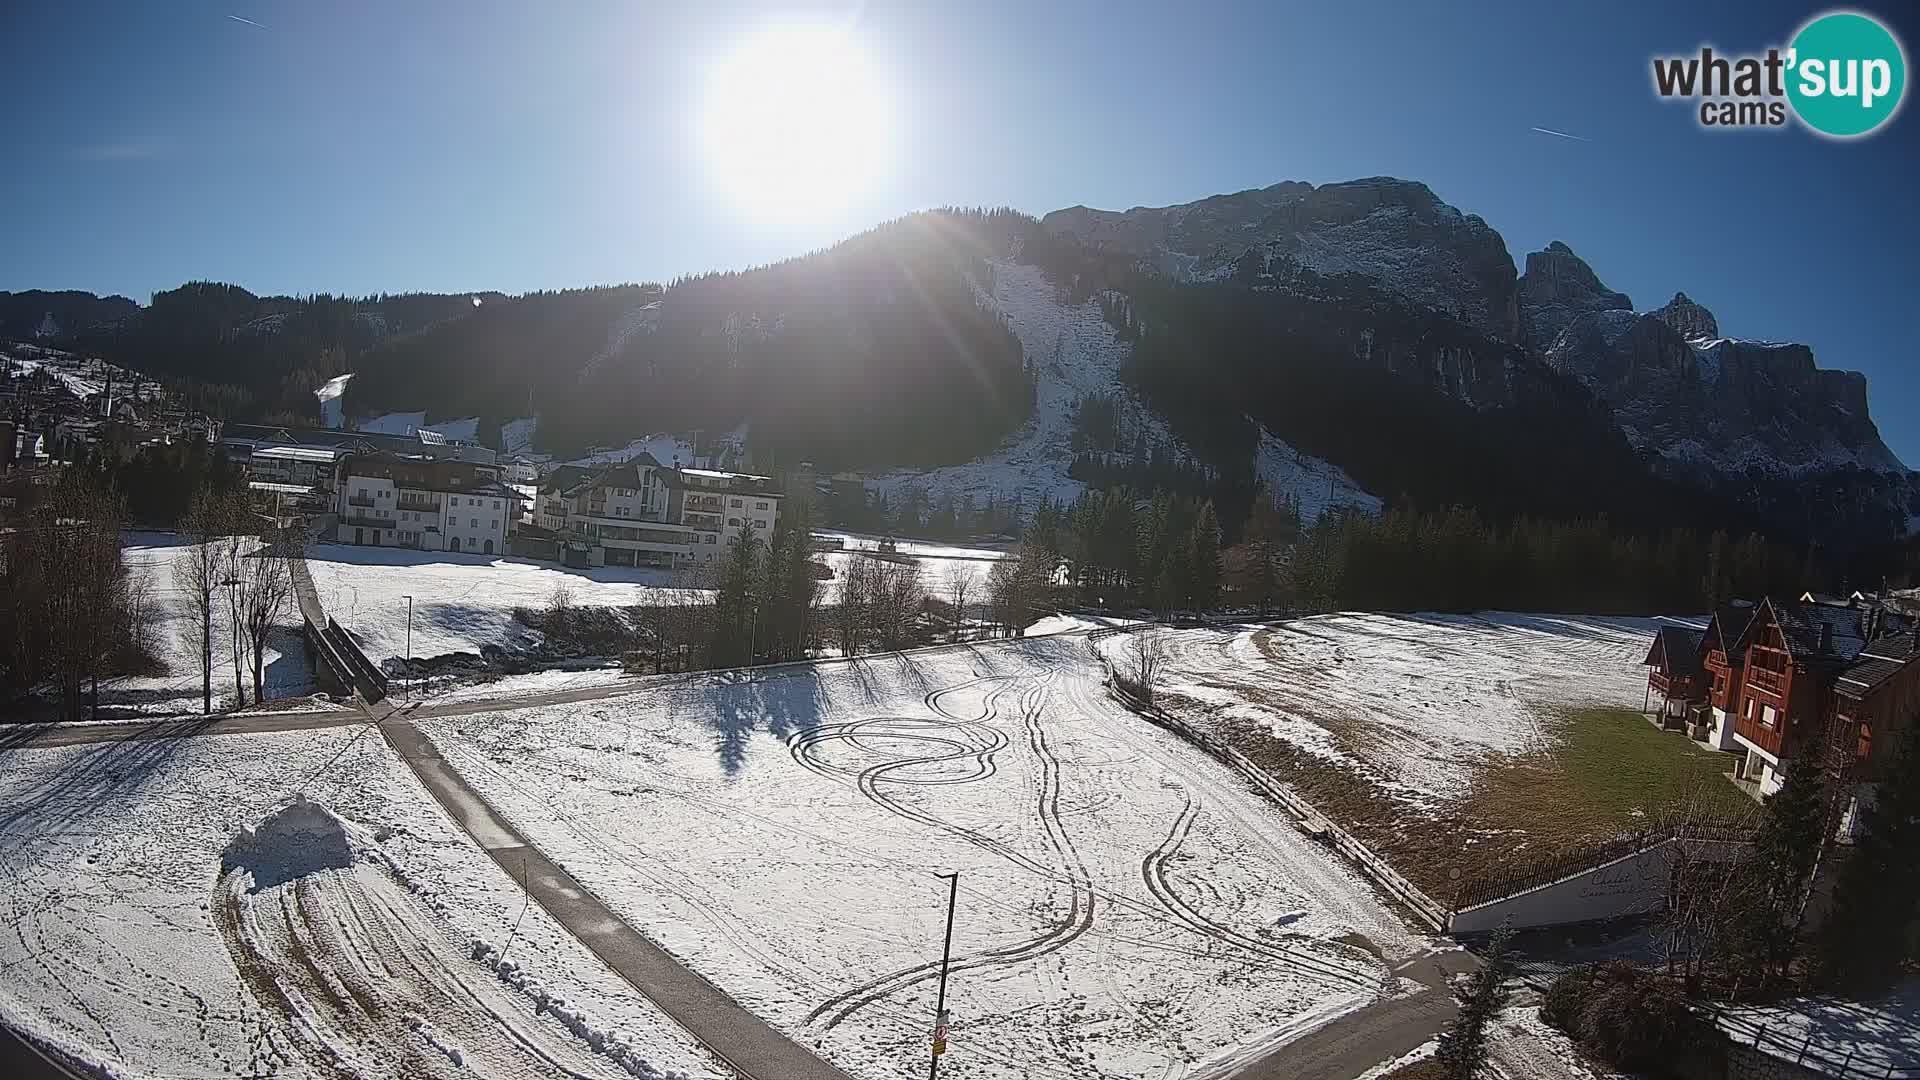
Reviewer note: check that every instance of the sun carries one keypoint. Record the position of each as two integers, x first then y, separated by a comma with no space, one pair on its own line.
797,122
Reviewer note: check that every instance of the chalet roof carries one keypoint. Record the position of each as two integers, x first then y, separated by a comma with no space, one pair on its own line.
1676,649
1816,633
1728,628
1881,660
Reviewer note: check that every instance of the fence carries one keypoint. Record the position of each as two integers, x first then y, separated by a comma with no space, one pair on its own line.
1805,1050
1423,906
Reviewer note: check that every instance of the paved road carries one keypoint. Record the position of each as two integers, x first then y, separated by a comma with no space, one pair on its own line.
743,1040
1368,1036
36,736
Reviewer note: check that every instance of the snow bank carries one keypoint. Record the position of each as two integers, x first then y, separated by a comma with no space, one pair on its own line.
620,1047
298,839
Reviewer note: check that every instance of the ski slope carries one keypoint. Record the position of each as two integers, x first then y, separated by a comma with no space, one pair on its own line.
1075,354
146,935
1126,907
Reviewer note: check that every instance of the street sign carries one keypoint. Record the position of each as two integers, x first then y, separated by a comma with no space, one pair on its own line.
940,1034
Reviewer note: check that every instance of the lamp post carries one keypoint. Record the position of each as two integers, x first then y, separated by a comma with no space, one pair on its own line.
409,643
946,959
206,641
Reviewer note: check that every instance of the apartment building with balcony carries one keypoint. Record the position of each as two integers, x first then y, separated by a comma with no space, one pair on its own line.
430,504
642,513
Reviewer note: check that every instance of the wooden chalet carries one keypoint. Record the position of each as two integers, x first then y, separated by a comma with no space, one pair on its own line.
1797,655
1723,657
1675,676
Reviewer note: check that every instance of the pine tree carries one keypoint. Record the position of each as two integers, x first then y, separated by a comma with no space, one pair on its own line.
1786,849
1864,944
1462,1053
1203,559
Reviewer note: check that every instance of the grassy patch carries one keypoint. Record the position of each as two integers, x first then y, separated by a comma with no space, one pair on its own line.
1609,771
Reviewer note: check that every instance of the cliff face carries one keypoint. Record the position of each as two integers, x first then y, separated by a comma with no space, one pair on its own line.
1396,233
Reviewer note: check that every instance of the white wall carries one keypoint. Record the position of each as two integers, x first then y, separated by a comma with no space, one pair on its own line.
1632,885
470,522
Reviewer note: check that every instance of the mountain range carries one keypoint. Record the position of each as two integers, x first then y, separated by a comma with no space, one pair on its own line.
1344,344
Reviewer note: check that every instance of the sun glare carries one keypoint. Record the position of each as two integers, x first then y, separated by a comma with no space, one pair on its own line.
796,122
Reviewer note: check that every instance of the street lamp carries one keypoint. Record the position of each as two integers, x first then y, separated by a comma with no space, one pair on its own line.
409,681
952,877
206,641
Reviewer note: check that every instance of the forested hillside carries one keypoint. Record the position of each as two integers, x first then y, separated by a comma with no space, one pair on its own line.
876,352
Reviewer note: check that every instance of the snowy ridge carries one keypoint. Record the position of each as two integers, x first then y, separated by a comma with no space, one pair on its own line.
663,447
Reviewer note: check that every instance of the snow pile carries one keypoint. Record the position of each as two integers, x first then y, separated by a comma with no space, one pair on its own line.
332,408
435,1039
298,839
620,1047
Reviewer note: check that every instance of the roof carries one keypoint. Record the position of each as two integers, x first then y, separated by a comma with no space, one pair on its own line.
1729,626
565,477
1676,649
280,489
1881,660
1816,633
298,453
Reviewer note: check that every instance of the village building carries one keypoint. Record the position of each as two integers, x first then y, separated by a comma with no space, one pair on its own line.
642,513
429,504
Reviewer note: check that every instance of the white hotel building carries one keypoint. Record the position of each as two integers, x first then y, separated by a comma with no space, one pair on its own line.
642,513
408,501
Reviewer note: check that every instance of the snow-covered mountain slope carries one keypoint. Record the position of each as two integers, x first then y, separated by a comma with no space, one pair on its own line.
1077,355
1395,232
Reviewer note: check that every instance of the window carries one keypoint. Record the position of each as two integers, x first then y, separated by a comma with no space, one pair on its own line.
494,525
496,504
473,523
733,522
759,523
737,502
710,538
760,506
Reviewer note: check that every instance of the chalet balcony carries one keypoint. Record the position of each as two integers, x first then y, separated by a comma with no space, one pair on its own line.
429,505
360,500
1769,683
701,521
366,520
712,503
1675,686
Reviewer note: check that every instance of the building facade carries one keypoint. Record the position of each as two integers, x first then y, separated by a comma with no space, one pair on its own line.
641,513
429,504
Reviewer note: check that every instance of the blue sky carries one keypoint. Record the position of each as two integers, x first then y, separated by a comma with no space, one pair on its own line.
361,147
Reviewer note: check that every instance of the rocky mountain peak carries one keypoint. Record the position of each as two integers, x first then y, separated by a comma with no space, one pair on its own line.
1557,288
1397,233
1688,319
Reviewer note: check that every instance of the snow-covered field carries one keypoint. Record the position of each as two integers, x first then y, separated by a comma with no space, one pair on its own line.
1126,906
1077,354
940,564
1414,701
177,643
323,950
460,602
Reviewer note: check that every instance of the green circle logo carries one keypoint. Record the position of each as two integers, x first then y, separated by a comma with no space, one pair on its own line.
1846,74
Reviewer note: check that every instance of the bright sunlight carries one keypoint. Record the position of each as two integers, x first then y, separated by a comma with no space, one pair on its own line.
797,122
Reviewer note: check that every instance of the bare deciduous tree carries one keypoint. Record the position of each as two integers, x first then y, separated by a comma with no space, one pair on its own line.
897,601
1146,657
197,576
959,587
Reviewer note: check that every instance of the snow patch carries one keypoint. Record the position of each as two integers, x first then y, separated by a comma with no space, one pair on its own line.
332,408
